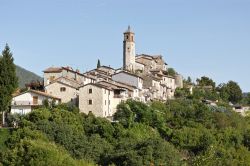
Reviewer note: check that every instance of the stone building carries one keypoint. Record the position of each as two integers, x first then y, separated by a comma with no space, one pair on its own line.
143,77
129,50
128,78
102,98
101,73
151,62
52,73
149,67
65,88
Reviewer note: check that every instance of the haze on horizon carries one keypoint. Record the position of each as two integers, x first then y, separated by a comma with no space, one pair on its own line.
197,38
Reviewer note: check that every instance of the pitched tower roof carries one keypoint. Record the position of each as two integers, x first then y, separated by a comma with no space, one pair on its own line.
128,30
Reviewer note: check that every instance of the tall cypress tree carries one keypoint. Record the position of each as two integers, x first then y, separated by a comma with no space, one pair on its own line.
8,79
98,64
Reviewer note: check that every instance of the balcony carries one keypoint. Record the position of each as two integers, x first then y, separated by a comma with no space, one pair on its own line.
25,103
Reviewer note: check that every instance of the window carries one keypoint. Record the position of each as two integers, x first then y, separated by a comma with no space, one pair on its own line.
90,102
105,102
109,102
62,89
127,36
35,100
90,91
51,78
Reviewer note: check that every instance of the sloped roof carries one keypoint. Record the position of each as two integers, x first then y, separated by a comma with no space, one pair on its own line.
128,30
117,85
39,93
59,69
73,83
97,85
128,73
148,56
53,70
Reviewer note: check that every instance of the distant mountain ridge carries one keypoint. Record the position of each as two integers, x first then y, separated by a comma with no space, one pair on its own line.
25,76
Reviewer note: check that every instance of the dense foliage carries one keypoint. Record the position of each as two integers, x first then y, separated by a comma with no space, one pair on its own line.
206,89
179,132
205,81
230,92
184,131
171,72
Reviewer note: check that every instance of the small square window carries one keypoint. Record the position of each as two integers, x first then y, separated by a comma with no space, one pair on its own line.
90,91
90,102
62,89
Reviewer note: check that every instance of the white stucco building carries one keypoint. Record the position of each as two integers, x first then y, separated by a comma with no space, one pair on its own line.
128,78
27,101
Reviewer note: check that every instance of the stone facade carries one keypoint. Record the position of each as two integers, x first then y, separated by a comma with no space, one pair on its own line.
68,93
53,73
100,99
128,50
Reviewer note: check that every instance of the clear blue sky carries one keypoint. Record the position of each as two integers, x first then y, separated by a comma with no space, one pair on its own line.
196,37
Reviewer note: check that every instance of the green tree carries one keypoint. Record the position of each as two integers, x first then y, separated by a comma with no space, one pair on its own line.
222,89
205,81
98,64
181,92
189,80
8,79
124,115
234,91
171,71
230,92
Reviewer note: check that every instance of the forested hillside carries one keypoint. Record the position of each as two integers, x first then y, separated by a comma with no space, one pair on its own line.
25,76
178,132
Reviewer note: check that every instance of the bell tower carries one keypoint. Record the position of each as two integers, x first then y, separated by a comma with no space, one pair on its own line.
128,50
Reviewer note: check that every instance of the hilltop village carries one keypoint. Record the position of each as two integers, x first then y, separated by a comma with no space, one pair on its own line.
142,77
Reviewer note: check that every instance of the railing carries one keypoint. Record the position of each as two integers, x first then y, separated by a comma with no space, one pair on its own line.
25,103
